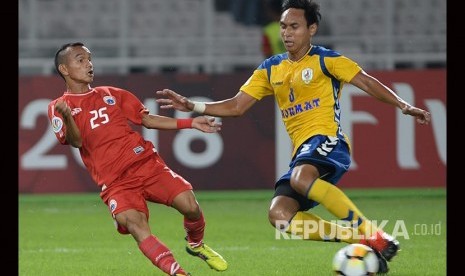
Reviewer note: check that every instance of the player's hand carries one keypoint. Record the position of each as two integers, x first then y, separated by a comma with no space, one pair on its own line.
63,108
206,124
423,117
173,100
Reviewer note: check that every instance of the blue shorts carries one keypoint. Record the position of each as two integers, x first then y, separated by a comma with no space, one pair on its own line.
329,154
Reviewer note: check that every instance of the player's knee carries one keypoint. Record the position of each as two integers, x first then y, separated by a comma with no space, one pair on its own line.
187,205
302,177
298,185
131,222
278,217
120,228
191,210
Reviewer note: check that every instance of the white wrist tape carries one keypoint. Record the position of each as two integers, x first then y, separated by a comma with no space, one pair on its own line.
199,107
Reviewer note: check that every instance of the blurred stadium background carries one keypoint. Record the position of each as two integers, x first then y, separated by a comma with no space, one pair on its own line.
204,36
203,49
206,49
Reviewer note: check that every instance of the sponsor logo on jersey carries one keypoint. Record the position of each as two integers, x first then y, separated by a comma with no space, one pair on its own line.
57,124
300,107
110,100
307,75
138,149
76,111
113,205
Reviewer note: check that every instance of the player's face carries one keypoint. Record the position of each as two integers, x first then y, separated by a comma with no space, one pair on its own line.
295,33
79,65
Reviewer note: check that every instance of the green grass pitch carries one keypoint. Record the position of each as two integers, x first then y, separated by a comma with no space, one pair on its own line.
74,235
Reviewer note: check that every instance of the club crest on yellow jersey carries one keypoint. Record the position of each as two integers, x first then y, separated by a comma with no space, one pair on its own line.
307,75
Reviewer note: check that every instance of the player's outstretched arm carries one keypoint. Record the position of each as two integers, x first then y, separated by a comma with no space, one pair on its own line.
206,124
202,123
422,116
232,107
173,100
375,88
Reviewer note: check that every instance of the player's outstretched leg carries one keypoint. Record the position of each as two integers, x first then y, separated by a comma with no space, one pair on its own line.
196,247
210,256
161,256
384,244
337,203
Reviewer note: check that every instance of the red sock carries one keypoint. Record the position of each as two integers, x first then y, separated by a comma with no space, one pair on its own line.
195,230
160,255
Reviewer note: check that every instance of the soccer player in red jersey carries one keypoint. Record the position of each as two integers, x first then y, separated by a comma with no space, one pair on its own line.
306,82
126,167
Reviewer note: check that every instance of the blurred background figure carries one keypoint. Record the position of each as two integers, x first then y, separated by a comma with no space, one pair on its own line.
271,41
247,12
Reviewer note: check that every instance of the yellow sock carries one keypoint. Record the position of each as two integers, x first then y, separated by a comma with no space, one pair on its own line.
338,204
312,227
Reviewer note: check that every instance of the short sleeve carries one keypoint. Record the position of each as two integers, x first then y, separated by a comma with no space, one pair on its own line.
130,105
342,68
258,85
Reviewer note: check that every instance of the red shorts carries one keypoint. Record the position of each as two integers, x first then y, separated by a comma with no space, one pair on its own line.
146,180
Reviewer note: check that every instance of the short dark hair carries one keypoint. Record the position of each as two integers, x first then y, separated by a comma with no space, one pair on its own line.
59,56
311,8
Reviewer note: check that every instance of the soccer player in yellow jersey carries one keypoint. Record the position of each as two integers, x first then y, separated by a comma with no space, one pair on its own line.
306,82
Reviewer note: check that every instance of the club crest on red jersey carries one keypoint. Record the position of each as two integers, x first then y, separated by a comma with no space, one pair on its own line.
110,100
113,205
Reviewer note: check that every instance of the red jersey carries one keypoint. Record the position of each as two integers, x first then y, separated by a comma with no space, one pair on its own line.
109,144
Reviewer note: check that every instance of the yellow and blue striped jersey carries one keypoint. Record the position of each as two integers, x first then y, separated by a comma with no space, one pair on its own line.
307,91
